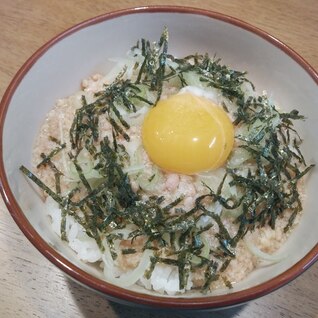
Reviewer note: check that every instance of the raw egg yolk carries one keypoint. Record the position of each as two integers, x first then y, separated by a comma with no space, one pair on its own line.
187,134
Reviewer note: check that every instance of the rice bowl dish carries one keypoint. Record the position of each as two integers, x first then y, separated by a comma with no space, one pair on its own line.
64,70
136,207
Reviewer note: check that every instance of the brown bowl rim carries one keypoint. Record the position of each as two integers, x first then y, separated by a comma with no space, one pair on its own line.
113,292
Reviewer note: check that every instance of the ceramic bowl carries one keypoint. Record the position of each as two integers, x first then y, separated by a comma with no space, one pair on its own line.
56,70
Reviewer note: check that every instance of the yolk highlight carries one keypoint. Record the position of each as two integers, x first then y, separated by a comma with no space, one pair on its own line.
187,134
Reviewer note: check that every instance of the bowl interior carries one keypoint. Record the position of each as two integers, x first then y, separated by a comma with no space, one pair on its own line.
57,69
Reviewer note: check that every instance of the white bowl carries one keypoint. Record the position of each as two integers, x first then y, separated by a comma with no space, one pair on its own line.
56,70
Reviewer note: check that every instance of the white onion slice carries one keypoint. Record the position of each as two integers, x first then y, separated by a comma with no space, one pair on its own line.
134,169
152,185
205,251
125,232
272,258
127,279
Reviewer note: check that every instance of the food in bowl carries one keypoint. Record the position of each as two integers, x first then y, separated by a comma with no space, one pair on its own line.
171,172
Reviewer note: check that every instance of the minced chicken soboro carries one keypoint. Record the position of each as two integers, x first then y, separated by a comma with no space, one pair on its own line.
166,231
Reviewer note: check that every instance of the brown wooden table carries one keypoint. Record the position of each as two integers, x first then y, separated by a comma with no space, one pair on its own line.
30,286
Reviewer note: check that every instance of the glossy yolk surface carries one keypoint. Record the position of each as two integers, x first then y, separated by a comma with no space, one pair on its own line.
187,134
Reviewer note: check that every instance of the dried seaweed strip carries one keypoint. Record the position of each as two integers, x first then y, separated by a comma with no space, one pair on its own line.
41,185
47,158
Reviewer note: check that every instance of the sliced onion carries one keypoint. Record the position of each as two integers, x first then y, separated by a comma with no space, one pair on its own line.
193,79
206,248
238,157
205,251
119,66
211,179
127,279
272,258
171,63
166,237
134,169
124,231
137,118
234,213
154,183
